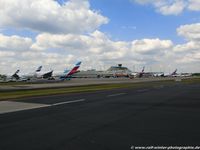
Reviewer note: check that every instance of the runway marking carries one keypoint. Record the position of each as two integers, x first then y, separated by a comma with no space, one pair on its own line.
12,106
68,102
143,90
118,94
159,87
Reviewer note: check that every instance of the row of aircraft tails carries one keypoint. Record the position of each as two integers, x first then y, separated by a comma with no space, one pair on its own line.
160,74
67,74
50,75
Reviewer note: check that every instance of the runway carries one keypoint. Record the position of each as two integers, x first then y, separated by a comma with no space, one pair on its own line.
106,120
41,84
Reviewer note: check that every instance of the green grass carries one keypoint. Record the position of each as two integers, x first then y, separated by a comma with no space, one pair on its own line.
18,83
5,95
191,80
52,91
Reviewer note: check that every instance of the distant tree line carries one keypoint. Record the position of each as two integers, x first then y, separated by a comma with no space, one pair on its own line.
2,76
196,74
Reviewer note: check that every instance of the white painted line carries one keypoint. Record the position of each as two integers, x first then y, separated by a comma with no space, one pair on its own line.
68,102
21,109
159,87
118,94
143,90
12,106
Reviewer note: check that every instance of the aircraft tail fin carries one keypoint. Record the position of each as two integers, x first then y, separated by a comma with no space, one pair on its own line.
38,69
143,69
73,70
16,72
142,72
47,75
174,73
15,75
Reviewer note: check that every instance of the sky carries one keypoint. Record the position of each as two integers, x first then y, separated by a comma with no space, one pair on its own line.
161,35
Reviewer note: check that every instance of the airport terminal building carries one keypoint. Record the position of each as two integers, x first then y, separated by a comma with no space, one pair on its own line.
113,71
117,71
87,74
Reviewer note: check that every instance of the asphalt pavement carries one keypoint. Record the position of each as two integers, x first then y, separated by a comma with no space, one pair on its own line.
43,84
106,120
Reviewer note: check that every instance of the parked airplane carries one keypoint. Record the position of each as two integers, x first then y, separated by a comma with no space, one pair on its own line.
31,75
158,74
67,74
186,74
44,75
17,77
59,76
48,75
13,77
173,74
138,74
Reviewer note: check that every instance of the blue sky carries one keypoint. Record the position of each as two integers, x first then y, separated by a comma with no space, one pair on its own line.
161,34
129,20
148,23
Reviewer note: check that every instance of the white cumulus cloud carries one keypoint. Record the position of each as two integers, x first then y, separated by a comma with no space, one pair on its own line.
190,32
6,54
171,7
189,52
15,43
74,16
190,46
154,46
194,5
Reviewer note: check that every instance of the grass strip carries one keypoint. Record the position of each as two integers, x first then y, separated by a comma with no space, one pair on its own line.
91,88
5,95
